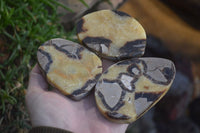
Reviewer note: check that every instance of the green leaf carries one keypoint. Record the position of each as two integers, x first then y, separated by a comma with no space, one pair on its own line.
24,24
8,35
2,75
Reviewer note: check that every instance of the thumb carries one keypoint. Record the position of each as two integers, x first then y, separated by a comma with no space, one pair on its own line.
37,82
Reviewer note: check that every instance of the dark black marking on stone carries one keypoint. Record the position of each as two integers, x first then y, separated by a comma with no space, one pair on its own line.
70,55
125,62
118,81
61,49
144,65
97,41
50,61
99,67
119,104
121,13
118,116
150,96
135,78
78,92
74,97
97,77
105,72
168,74
82,89
133,48
135,43
131,67
129,62
79,50
79,27
64,45
133,63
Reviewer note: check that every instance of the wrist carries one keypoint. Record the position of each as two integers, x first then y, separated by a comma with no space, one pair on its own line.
46,129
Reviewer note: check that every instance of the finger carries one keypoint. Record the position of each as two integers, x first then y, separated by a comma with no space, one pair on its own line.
36,69
36,81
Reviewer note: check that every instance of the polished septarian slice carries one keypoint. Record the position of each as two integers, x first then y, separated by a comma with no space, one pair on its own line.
112,34
129,88
69,67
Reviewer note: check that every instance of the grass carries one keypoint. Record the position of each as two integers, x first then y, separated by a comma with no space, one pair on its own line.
24,25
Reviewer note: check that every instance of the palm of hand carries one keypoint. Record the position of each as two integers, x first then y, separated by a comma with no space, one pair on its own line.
51,108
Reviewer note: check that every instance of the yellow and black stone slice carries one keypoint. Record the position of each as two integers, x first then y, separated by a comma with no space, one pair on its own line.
112,34
129,88
69,67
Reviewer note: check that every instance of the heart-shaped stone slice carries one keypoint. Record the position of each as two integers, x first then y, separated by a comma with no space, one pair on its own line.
69,67
129,88
112,34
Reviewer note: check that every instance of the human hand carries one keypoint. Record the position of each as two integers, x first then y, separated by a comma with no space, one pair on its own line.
53,109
